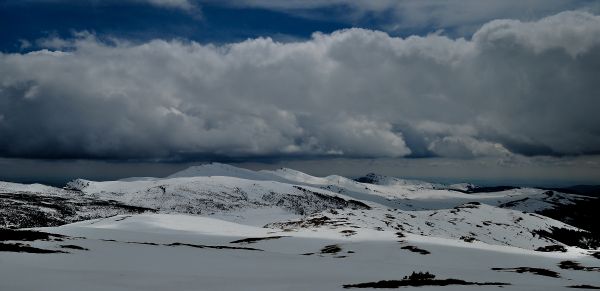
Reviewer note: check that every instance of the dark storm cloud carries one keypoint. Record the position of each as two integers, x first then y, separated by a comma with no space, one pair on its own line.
513,87
513,170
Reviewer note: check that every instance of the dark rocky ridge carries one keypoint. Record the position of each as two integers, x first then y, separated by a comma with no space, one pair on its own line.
42,210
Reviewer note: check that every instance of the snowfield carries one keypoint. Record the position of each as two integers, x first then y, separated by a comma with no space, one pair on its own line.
218,227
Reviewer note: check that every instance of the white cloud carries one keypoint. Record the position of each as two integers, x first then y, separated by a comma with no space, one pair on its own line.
180,4
572,32
515,87
467,147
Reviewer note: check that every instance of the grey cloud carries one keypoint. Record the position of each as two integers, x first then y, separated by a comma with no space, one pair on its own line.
466,147
513,170
513,88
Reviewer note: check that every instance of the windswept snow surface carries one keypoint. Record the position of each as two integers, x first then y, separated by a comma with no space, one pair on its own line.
218,169
218,227
6,187
182,252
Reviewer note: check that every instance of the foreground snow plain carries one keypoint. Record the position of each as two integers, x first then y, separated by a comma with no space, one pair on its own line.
216,227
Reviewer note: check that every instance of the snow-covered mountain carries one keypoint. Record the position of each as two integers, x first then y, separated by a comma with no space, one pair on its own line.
216,201
377,202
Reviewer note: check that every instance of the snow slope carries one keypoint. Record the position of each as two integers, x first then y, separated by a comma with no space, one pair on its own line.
278,197
182,252
224,170
419,195
218,227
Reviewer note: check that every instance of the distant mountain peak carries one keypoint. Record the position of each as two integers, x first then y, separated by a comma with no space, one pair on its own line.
219,169
370,178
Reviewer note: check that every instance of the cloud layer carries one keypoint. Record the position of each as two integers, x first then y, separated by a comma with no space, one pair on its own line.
514,87
465,16
180,4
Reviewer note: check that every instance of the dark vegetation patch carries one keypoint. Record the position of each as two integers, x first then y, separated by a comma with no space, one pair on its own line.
348,232
512,203
43,210
74,247
468,239
110,204
467,205
595,255
416,250
252,240
419,276
212,247
350,203
584,287
570,237
583,214
370,178
418,280
23,248
331,249
488,189
535,271
310,222
552,248
588,190
123,218
131,242
143,243
27,235
572,265
311,202
185,244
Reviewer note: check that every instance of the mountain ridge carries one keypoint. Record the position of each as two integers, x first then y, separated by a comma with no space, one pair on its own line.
235,193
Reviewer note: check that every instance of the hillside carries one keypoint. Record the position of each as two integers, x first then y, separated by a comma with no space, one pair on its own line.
221,213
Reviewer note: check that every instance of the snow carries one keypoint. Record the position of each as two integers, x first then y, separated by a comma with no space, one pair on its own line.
7,187
218,169
188,243
124,265
239,195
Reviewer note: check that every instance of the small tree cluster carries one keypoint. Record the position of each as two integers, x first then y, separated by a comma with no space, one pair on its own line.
419,276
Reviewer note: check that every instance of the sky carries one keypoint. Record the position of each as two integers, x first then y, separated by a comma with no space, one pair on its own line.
495,92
